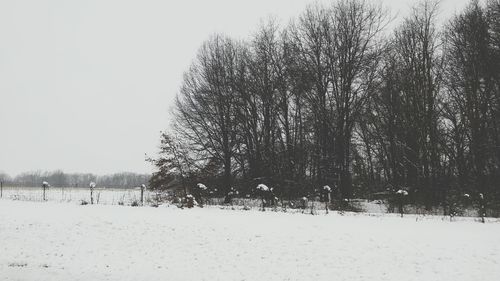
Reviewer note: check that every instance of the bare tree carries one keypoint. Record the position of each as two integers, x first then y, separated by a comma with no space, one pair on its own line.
206,105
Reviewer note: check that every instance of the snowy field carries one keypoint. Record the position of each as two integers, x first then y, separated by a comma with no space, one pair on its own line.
127,196
63,241
107,196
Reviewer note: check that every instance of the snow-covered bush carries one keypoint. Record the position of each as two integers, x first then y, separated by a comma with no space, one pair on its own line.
265,192
198,192
402,192
201,186
303,203
228,199
262,187
232,192
190,201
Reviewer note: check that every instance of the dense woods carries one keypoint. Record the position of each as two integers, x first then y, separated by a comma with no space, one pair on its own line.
333,98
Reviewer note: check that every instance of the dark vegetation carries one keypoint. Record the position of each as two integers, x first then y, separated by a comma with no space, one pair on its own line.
335,99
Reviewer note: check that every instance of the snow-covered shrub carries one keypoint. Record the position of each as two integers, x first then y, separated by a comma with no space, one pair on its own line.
201,186
263,187
198,192
190,202
265,192
303,203
402,192
228,199
233,192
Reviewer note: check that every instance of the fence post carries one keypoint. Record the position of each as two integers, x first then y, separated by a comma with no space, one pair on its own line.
44,186
326,196
1,189
401,194
92,186
142,194
482,208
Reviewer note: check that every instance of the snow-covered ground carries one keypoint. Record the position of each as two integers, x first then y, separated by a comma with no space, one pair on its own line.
127,196
63,241
107,196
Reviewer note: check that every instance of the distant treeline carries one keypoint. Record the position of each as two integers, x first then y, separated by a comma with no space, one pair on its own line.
61,179
333,99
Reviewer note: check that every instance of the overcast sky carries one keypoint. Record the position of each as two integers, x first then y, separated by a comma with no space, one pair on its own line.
86,86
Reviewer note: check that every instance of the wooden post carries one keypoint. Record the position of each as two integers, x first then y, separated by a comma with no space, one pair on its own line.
1,189
44,186
482,208
328,198
92,185
142,194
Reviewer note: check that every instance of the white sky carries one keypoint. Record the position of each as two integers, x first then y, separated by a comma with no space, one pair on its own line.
86,86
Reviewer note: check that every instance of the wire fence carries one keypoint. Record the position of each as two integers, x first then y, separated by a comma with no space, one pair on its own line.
106,196
132,197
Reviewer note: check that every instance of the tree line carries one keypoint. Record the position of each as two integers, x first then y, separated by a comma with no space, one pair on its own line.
335,99
61,179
